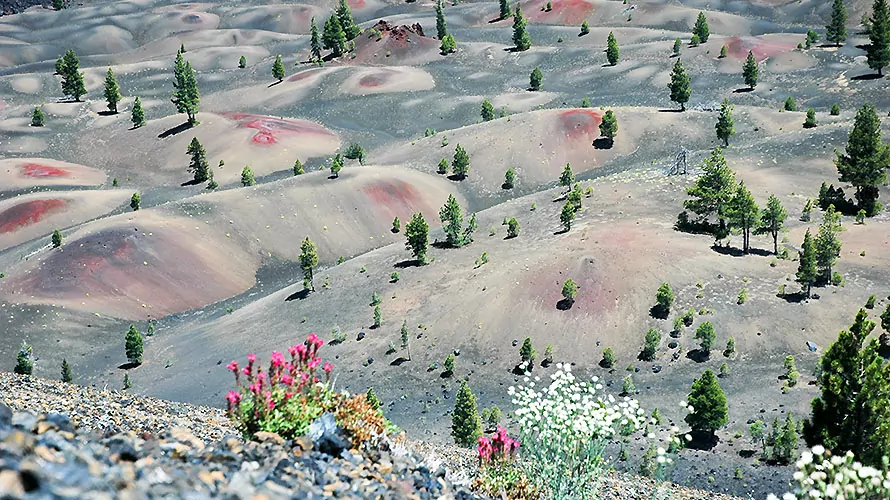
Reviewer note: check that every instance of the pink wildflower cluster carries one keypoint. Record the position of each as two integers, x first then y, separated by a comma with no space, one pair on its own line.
498,449
283,380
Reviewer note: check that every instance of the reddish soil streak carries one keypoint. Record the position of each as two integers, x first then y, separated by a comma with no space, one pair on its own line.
39,171
738,47
356,4
270,128
394,196
302,75
580,123
567,12
374,80
29,212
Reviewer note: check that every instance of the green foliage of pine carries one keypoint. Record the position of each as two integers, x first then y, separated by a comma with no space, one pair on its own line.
135,201
772,220
185,96
706,336
57,238
38,119
66,371
466,425
865,160
138,114
878,51
613,54
680,85
441,24
24,360
487,111
521,40
72,77
750,71
836,31
725,124
133,345
701,28
278,71
709,404
417,237
806,268
112,91
308,260
460,165
743,214
609,127
198,165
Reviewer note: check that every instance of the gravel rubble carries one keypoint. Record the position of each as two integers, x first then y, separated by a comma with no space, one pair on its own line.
61,440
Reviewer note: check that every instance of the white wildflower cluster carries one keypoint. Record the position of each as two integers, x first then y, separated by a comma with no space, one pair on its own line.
565,428
571,409
821,475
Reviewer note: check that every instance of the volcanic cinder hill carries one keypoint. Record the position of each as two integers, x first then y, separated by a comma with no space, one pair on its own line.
216,271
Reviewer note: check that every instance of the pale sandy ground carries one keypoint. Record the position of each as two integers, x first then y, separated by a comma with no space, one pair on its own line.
14,174
367,81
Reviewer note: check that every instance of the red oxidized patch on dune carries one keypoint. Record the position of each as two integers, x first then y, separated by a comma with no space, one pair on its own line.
739,46
302,75
29,212
568,12
356,4
270,128
374,80
40,171
393,196
580,123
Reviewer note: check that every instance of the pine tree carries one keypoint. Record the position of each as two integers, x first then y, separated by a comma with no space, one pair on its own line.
448,45
878,51
314,43
713,189
417,237
452,221
466,426
198,164
66,371
609,127
527,353
812,37
308,261
505,8
56,238
449,364
333,37
664,298
442,167
701,28
678,44
336,165
836,31
72,77
706,336
396,225
373,400
567,215
612,52
828,247
59,4
852,410
865,162
585,28
521,40
679,85
567,178
133,346
38,119
242,61
403,336
24,360
60,65
138,115
810,120
298,167
772,220
509,178
806,268
750,71
441,25
535,79
723,52
651,345
487,111
709,405
743,214
185,89
461,163
135,201
112,91
725,124
278,69
347,23
512,228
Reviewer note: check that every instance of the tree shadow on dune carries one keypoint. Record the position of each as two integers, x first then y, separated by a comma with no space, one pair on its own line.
182,127
302,294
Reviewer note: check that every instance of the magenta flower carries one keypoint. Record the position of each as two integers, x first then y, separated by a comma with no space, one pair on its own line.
287,380
277,359
233,366
312,339
293,351
327,367
246,370
313,363
251,358
301,351
234,397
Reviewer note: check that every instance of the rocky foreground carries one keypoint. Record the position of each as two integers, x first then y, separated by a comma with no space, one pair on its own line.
61,440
